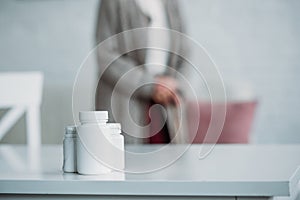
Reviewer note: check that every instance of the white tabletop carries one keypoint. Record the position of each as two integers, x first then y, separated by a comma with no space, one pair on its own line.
230,170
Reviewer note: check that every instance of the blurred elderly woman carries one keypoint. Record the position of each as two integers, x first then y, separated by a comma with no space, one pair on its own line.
146,75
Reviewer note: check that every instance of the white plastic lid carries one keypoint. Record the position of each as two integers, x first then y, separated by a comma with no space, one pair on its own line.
115,127
70,130
93,116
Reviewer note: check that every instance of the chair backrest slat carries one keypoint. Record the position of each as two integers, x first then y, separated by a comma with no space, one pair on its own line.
20,88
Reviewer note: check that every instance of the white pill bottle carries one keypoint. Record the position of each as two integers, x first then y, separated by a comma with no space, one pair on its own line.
118,153
93,143
69,149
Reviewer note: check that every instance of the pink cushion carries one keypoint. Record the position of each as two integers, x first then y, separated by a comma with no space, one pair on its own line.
237,126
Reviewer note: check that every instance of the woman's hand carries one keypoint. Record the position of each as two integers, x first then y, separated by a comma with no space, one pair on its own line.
166,91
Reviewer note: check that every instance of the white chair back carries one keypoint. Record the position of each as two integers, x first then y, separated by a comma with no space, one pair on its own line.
22,92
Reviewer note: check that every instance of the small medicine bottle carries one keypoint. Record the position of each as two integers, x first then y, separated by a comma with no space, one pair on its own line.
118,146
69,149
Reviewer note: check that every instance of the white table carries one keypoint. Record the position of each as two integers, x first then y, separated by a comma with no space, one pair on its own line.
229,172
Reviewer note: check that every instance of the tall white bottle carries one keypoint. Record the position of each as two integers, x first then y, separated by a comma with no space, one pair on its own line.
118,146
93,143
69,150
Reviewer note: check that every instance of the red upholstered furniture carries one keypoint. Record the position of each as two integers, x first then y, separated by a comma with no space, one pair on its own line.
237,126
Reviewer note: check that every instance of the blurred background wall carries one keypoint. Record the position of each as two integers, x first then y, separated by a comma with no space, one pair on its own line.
251,41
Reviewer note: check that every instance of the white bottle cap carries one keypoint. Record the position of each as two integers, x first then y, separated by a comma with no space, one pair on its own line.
115,126
93,116
70,130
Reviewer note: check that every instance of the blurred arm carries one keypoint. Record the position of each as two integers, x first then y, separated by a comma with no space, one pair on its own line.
108,22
